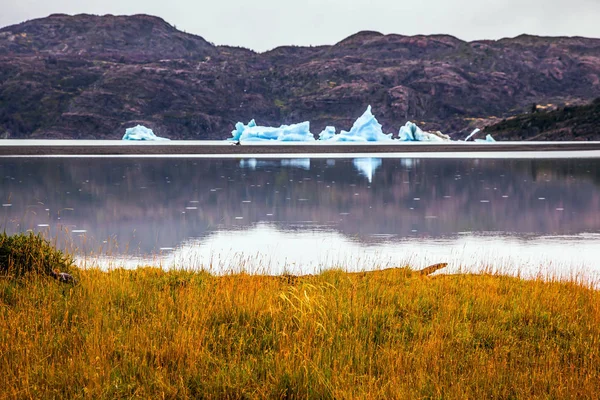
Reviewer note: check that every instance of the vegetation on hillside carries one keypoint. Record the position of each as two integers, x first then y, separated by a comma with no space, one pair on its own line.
563,123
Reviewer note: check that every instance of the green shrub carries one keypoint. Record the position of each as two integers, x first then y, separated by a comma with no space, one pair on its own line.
24,253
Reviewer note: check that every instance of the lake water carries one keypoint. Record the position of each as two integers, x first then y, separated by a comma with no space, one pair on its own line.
519,216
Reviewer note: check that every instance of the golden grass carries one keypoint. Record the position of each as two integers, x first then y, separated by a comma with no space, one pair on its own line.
387,334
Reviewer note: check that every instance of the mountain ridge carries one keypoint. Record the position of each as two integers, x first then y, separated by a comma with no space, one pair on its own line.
89,76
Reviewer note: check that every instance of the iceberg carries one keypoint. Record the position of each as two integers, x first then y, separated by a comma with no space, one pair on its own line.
488,139
239,129
285,133
367,166
327,133
475,132
412,133
365,129
140,132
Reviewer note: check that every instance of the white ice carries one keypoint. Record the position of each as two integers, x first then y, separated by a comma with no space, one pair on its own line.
475,132
140,132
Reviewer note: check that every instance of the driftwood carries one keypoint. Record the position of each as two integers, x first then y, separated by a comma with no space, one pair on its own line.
293,279
432,268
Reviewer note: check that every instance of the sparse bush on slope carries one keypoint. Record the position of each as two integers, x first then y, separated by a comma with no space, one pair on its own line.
25,253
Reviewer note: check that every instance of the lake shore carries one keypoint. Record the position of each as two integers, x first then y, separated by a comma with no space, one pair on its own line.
385,334
119,147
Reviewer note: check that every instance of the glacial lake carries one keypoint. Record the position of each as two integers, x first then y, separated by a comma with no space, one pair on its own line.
520,216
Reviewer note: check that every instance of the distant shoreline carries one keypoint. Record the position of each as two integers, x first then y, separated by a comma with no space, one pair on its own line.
118,147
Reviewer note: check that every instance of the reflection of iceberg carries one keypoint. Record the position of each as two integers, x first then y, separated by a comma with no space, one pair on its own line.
408,163
303,163
250,163
285,133
367,166
365,129
140,132
253,163
412,133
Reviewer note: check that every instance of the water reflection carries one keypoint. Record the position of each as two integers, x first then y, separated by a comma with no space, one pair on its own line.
154,206
367,167
266,249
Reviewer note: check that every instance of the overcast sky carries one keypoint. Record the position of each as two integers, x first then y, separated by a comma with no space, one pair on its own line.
265,24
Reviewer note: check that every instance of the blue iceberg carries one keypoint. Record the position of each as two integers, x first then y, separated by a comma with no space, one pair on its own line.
285,133
239,129
140,132
412,133
365,129
488,139
327,133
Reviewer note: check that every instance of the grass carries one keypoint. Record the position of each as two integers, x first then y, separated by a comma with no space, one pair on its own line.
149,333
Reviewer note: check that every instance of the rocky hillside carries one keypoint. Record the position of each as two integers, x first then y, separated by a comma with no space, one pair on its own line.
565,123
91,77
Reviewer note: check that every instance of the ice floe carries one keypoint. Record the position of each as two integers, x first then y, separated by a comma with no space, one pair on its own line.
488,139
412,133
327,133
285,133
365,129
475,132
140,132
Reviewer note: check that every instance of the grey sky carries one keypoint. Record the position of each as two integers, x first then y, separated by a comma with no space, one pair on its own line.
264,24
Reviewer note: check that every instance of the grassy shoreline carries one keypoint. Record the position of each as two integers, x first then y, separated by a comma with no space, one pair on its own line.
386,334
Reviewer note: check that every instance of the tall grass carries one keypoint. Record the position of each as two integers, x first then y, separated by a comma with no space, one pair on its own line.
148,333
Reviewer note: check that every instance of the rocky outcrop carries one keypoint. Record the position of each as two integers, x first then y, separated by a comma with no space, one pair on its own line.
91,77
563,123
